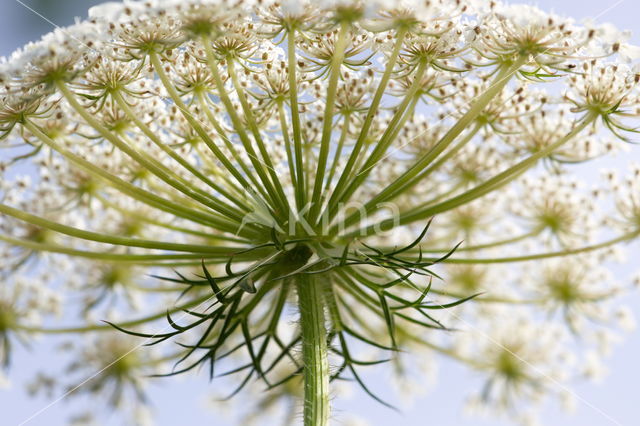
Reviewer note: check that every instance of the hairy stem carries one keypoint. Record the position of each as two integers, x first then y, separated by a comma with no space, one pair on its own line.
314,351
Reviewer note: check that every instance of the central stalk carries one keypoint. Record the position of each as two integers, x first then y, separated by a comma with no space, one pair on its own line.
314,350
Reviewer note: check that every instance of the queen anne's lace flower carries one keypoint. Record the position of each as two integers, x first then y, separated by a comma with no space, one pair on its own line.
214,163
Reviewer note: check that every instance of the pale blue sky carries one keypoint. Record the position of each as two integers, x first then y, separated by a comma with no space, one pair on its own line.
179,401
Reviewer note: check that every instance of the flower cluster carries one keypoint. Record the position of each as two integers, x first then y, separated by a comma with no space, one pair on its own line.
222,167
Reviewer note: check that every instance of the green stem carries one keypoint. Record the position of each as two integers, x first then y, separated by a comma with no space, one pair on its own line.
194,122
239,127
145,218
373,109
148,162
202,100
104,256
314,351
301,190
327,121
110,239
287,142
126,187
478,106
484,188
403,112
107,327
487,299
410,177
338,153
442,160
491,244
117,96
451,353
253,126
570,252
508,175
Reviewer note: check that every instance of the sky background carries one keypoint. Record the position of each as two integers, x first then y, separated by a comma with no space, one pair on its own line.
181,401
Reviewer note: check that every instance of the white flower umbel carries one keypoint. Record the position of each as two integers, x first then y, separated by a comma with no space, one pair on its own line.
217,165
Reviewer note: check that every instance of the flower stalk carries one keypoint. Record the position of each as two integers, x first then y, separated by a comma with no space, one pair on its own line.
314,351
